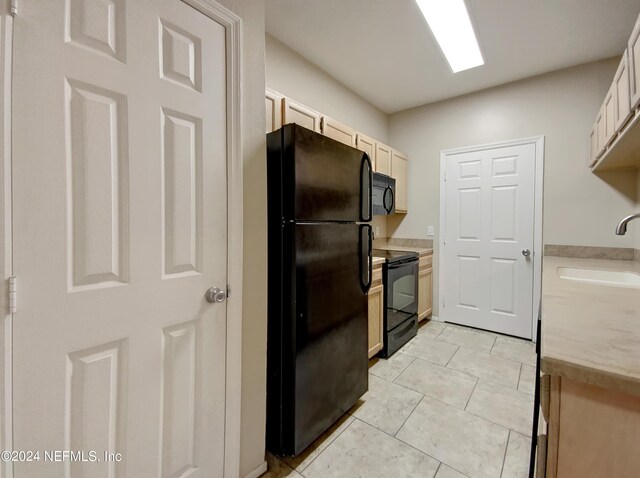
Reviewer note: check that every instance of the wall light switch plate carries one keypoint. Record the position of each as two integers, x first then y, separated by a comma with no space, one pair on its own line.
430,231
377,230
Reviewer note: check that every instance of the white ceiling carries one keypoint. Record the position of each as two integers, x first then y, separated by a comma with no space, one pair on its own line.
384,51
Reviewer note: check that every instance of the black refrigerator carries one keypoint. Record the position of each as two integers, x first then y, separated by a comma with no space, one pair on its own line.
319,206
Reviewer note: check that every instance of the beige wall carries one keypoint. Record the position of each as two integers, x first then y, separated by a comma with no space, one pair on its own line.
636,224
292,75
579,207
254,321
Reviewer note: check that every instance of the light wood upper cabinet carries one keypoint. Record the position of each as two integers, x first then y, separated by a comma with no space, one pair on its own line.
338,131
609,115
383,159
376,312
618,121
425,287
368,145
601,131
399,173
633,51
593,145
273,102
621,87
293,112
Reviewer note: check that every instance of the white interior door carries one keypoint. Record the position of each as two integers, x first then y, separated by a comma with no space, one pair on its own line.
120,215
488,264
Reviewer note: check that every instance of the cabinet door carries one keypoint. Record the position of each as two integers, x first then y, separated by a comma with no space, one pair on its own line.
621,86
293,112
634,64
273,102
399,173
609,115
600,131
593,145
383,159
376,309
368,145
425,288
338,131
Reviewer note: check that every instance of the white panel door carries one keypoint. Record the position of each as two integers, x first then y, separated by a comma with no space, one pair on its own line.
120,228
489,222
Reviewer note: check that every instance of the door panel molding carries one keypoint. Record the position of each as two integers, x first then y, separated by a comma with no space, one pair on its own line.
232,25
538,143
233,36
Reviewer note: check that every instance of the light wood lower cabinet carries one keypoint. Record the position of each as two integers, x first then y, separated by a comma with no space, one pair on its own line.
592,431
376,312
425,287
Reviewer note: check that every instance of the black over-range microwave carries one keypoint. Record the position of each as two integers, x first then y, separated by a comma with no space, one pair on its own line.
383,194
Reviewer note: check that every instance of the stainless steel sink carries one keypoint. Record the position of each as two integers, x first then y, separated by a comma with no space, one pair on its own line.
628,279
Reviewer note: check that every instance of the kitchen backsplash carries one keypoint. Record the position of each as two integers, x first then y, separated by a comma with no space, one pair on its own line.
397,241
592,252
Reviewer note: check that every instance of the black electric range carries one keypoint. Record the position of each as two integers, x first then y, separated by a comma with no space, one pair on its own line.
400,279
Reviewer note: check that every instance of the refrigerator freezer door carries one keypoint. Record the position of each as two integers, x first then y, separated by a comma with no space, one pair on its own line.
323,370
322,180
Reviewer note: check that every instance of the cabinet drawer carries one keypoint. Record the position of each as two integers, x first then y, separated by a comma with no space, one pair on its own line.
426,261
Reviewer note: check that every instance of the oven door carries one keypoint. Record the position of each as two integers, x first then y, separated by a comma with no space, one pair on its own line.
401,292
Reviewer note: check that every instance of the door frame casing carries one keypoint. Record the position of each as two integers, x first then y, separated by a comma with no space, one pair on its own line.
538,187
6,236
233,359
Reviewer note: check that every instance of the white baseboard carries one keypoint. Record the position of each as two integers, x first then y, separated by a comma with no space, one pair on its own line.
436,318
258,471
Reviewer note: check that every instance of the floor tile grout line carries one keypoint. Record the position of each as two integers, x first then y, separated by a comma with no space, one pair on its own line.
437,469
504,458
471,394
404,369
407,418
495,339
452,355
328,445
399,439
519,377
498,424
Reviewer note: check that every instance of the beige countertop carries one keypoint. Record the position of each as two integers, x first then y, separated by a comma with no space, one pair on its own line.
422,251
378,261
591,332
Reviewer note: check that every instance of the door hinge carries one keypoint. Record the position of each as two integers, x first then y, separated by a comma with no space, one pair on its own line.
14,8
13,305
228,291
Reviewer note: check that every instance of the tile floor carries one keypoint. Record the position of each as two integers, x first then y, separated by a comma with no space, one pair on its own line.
452,403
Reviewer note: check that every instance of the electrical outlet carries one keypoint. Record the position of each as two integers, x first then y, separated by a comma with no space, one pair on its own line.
377,230
430,231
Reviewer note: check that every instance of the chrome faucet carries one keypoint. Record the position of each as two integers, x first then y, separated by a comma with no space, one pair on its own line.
621,230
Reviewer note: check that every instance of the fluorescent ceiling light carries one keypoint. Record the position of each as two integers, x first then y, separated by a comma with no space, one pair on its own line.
450,23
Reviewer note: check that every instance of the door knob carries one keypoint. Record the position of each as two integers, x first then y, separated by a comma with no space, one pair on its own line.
214,294
526,252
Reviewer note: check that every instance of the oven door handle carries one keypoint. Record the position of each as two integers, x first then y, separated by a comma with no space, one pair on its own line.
365,257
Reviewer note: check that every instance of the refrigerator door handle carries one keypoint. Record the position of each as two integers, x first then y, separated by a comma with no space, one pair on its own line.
366,257
365,188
